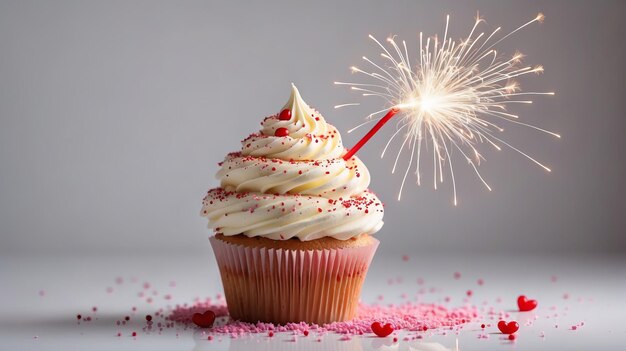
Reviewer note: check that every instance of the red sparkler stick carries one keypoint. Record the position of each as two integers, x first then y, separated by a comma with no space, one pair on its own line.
370,134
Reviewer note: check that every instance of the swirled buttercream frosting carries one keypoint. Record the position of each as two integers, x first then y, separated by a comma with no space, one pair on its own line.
290,181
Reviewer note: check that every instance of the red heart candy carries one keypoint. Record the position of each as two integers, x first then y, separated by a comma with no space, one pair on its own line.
525,304
380,330
204,320
508,328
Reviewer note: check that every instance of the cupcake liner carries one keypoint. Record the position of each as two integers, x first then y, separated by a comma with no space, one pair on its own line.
284,285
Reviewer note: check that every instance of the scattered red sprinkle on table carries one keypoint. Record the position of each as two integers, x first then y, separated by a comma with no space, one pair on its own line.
525,304
406,316
381,330
204,319
508,328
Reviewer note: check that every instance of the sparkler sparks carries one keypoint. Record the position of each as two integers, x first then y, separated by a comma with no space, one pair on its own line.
452,99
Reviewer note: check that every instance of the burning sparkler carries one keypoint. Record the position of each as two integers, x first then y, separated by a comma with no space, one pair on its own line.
453,98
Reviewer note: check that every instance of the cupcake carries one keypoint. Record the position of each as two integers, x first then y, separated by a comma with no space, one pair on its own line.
293,222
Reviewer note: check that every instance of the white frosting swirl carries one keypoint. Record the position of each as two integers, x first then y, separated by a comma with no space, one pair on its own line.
288,148
332,178
310,137
295,185
304,120
281,217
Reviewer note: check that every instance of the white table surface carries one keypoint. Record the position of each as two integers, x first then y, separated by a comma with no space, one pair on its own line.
40,296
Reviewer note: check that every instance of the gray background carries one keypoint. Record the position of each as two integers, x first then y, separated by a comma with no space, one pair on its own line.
114,114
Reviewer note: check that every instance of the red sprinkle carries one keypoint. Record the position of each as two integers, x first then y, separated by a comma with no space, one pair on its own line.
281,132
285,115
134,334
148,318
512,337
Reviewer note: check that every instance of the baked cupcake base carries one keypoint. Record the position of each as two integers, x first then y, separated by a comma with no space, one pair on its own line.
282,281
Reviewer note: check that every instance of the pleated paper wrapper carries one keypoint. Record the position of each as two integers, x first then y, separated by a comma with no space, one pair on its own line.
282,285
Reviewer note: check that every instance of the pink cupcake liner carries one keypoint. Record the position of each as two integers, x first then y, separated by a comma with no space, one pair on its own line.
283,285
